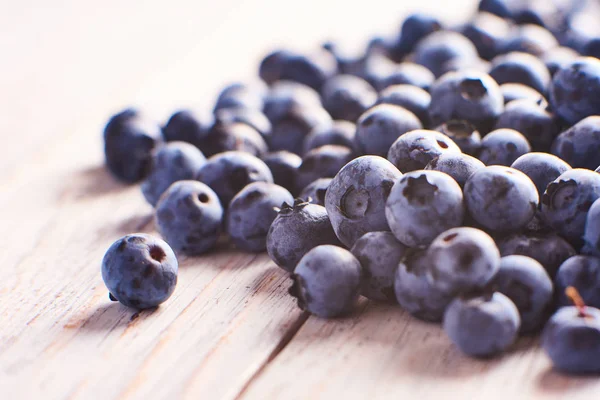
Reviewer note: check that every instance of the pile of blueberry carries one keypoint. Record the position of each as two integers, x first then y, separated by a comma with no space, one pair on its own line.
451,170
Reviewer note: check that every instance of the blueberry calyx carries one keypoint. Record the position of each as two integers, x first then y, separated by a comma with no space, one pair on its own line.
559,193
286,209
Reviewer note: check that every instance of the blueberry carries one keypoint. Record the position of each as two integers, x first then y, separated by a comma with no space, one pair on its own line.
322,162
592,48
227,173
355,199
189,216
503,147
574,90
377,129
251,213
462,260
129,139
583,273
541,168
466,95
225,136
414,28
528,285
309,69
413,291
518,91
580,144
379,254
238,95
566,202
285,96
548,249
412,98
284,167
176,161
140,271
423,204
296,230
591,235
415,149
502,8
489,33
458,165
187,126
482,326
524,68
376,68
291,128
445,51
346,97
501,199
327,281
558,58
316,191
271,67
338,132
465,135
255,118
538,125
406,73
532,39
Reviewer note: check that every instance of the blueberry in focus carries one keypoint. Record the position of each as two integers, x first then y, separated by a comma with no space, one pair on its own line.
338,132
415,149
412,98
458,165
503,147
322,162
541,168
580,144
465,135
445,51
523,68
140,271
186,126
518,91
284,167
583,273
315,191
346,97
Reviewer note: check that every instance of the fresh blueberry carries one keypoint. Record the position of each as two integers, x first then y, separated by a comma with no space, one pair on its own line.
271,67
489,33
407,73
291,128
574,90
189,216
415,149
176,161
583,273
129,140
238,95
502,8
462,260
346,97
412,98
466,95
309,69
338,132
580,144
501,199
532,39
591,235
458,165
541,168
377,129
558,58
233,137
379,254
316,191
375,68
322,162
445,51
255,118
327,281
251,213
524,68
538,125
227,173
284,166
296,230
422,205
355,199
285,95
482,326
503,147
548,249
414,28
140,271
528,285
592,48
518,91
465,135
566,202
187,126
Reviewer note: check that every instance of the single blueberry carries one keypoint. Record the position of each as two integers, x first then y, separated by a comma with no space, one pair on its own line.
582,273
532,39
255,118
580,144
291,128
187,126
524,68
284,167
338,132
541,168
445,51
412,98
414,150
346,97
458,165
237,95
503,147
489,33
315,191
285,95
518,91
465,135
271,67
591,234
406,73
414,28
322,162
224,136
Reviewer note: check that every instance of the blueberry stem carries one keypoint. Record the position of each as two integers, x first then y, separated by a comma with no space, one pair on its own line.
576,298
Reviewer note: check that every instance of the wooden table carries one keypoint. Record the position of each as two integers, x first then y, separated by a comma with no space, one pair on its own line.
230,331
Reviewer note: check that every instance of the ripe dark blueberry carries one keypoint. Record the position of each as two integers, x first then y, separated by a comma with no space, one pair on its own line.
255,118
580,144
445,51
140,271
423,204
129,139
412,98
187,126
285,95
227,173
327,281
502,8
284,166
322,162
592,48
465,135
501,199
415,149
541,168
518,91
503,147
346,97
316,191
574,90
407,73
414,28
233,137
532,39
458,165
189,216
521,68
558,58
309,69
566,202
489,33
291,128
583,273
296,230
355,199
272,65
466,95
591,235
338,132
176,161
379,254
375,68
482,326
528,285
251,213
377,129
239,95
